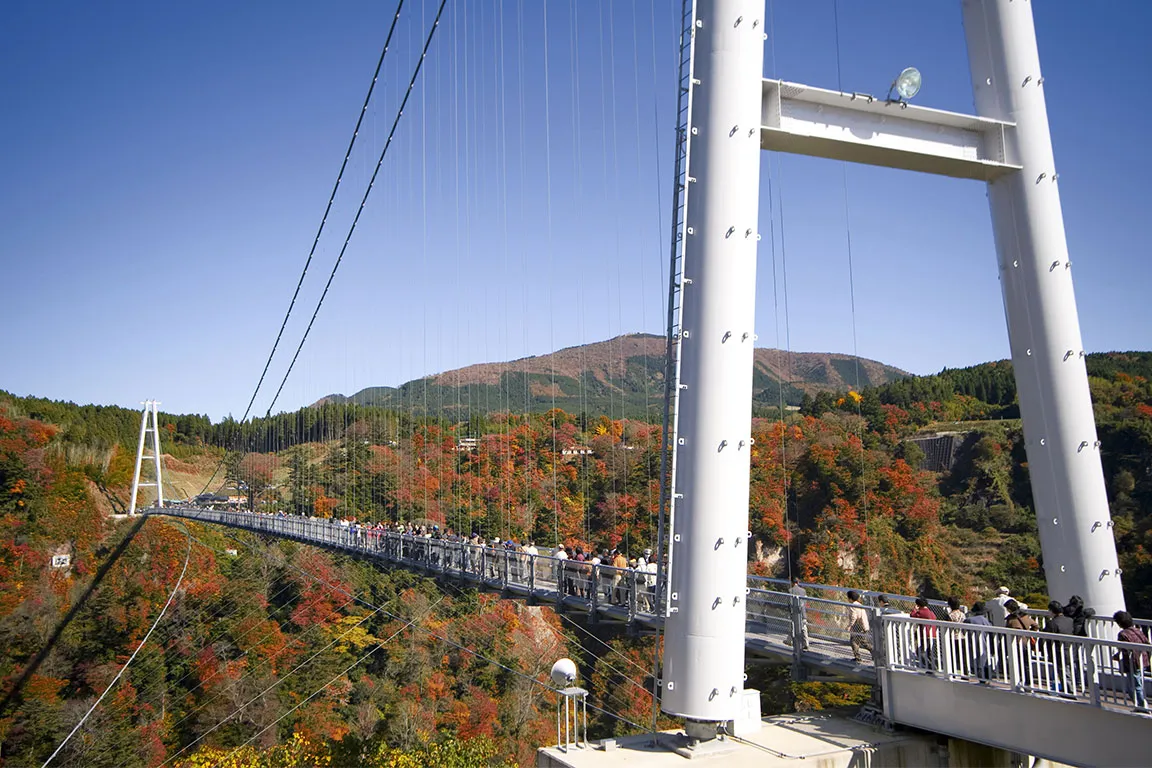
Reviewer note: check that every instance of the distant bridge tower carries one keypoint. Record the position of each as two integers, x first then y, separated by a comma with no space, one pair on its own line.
149,424
1007,146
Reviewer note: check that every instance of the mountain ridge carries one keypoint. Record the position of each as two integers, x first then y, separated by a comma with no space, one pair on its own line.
624,374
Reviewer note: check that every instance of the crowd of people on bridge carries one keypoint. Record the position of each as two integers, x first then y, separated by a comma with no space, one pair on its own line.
980,655
609,577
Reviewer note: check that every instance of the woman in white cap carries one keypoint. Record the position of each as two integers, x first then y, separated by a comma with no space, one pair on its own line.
995,608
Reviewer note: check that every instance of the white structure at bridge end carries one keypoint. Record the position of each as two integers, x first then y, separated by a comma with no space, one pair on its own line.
149,424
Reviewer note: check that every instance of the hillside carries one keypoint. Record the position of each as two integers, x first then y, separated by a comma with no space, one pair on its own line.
859,510
620,377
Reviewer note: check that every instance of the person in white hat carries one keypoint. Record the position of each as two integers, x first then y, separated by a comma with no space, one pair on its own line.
995,608
648,580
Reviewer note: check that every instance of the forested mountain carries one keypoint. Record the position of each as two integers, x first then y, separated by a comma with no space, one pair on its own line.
838,495
622,378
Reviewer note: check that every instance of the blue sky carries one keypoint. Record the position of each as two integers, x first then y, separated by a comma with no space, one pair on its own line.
164,167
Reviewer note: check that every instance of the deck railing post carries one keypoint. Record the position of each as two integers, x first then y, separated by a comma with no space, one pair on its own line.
1091,672
945,640
1014,676
558,569
796,617
631,596
594,586
879,647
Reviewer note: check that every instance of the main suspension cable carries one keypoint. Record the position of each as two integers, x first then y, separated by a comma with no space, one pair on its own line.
363,202
319,232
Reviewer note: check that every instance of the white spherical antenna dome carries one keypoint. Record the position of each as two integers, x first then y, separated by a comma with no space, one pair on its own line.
564,672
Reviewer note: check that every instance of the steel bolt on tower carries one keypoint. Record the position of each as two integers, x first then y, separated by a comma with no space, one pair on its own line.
1043,327
150,413
704,642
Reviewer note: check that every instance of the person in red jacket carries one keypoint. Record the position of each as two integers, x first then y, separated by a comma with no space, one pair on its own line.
928,648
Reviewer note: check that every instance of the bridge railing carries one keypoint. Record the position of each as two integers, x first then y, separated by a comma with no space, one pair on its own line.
1099,627
1088,670
820,618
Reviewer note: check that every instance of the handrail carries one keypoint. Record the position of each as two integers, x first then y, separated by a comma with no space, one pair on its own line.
766,584
1102,673
827,627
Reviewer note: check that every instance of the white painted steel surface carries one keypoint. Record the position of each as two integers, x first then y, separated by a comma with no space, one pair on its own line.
704,641
156,455
676,285
149,413
860,128
1040,306
1068,699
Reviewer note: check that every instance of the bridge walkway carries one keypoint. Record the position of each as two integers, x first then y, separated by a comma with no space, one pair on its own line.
1052,696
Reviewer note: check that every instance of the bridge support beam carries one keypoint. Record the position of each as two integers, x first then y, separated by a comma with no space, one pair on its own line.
704,644
1043,328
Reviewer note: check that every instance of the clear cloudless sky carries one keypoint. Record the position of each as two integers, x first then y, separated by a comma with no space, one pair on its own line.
164,168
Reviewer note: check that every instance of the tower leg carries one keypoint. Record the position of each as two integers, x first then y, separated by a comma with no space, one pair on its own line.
704,642
1043,328
139,460
156,454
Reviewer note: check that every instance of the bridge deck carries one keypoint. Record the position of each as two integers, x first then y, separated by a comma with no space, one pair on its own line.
1036,693
621,595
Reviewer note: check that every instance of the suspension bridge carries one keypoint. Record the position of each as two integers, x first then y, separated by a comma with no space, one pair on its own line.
1068,697
1064,698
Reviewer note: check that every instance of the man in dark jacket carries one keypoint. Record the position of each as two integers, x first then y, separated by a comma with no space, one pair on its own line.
978,615
1057,623
1076,611
1062,657
980,645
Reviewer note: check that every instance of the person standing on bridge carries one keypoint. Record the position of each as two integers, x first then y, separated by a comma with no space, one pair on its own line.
800,612
1057,623
1132,663
620,564
1080,615
996,607
1060,656
531,553
927,647
650,568
981,651
1017,619
859,629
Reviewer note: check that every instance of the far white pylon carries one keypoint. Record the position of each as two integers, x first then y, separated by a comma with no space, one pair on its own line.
149,414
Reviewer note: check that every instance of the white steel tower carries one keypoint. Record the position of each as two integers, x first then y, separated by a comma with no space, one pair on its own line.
1043,327
704,640
1007,146
149,423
